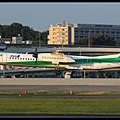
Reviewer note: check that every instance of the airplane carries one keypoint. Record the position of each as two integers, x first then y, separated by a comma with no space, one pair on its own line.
60,61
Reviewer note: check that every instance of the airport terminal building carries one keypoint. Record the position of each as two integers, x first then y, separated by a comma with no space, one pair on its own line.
67,34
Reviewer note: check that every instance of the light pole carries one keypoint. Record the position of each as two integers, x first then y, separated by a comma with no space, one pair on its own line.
39,39
80,51
62,42
89,42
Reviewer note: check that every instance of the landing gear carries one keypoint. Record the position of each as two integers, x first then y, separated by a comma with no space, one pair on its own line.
64,74
57,72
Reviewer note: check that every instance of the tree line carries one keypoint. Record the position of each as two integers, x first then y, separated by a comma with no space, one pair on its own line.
12,30
99,39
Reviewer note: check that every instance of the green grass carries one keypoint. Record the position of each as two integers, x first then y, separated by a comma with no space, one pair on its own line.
59,105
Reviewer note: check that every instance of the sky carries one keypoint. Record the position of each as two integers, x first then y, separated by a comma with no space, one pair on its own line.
40,15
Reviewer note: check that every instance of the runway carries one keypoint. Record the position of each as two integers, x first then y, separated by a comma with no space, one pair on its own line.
50,88
62,88
83,96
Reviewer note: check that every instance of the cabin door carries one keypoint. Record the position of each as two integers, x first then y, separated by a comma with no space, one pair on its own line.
88,63
4,58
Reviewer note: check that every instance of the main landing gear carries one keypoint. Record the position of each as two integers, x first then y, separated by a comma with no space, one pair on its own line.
64,74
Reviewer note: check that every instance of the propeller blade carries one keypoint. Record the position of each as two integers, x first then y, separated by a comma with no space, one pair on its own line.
36,50
35,54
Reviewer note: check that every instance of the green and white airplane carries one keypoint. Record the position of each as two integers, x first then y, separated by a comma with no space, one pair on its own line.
59,60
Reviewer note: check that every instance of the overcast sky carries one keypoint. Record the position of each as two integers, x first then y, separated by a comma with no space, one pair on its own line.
39,15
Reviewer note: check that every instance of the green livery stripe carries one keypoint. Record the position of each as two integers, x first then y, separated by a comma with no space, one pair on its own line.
39,63
95,61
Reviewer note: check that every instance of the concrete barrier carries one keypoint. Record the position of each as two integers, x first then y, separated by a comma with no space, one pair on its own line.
59,81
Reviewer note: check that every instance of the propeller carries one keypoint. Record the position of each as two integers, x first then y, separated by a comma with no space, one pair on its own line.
35,54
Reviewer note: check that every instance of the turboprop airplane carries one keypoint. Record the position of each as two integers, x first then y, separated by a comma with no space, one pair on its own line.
59,60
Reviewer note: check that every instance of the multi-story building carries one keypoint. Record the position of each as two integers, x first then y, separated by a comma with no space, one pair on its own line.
86,30
60,34
67,34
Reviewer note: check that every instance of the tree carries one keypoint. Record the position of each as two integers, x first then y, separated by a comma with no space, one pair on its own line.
12,30
100,39
103,39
